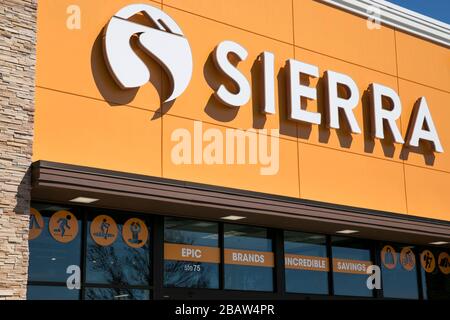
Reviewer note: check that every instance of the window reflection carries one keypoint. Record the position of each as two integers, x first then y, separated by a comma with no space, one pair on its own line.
351,257
116,294
191,253
49,257
115,262
435,273
399,272
306,263
51,293
248,258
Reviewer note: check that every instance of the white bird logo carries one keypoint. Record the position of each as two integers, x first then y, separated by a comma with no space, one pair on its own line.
167,45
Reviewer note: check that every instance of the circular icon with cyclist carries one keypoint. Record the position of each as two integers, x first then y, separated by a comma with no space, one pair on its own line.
63,226
407,258
135,233
104,230
427,261
389,257
36,224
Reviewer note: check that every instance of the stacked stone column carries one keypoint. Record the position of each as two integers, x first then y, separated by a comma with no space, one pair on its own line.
17,73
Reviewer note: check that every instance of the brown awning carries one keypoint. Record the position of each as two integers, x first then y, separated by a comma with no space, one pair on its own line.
60,183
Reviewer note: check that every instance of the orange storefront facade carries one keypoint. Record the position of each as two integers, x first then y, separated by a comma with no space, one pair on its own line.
127,150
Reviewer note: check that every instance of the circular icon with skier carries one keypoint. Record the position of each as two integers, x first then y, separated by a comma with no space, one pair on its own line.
444,262
389,257
36,224
135,233
407,258
63,226
104,230
427,261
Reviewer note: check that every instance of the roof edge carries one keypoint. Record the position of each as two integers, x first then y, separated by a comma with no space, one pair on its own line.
399,18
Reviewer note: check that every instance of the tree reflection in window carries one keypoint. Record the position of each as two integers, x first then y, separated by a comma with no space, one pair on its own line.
117,264
188,274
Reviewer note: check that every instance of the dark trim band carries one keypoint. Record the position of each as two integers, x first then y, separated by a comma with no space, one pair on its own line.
116,190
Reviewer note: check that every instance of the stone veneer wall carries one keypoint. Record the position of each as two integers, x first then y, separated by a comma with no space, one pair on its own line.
17,72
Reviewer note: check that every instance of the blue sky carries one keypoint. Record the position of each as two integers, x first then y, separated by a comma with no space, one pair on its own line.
437,9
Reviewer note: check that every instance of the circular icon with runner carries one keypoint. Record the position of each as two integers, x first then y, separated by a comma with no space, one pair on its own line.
407,258
63,226
444,262
36,224
104,230
389,257
135,233
427,261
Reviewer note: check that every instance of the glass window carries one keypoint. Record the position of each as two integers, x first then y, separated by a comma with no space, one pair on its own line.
191,253
51,293
435,273
249,260
118,249
398,271
306,263
55,242
351,257
116,294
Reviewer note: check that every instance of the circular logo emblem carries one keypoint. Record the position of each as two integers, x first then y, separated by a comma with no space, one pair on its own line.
444,262
104,230
389,257
164,41
427,261
135,233
63,226
36,224
407,258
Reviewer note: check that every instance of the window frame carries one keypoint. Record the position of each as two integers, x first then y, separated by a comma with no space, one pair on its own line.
84,213
157,291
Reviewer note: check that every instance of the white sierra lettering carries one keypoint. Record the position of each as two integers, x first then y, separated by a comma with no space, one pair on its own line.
167,44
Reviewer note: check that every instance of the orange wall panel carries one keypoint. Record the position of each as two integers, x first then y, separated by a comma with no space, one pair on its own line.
423,61
266,17
349,179
241,176
87,132
337,33
72,60
428,192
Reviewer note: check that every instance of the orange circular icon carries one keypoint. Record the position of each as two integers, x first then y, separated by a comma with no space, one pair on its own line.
407,258
104,230
63,226
36,224
444,262
135,233
427,261
389,257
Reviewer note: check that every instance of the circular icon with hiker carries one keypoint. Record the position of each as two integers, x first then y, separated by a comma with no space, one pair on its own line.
36,224
407,258
389,257
135,233
104,230
63,226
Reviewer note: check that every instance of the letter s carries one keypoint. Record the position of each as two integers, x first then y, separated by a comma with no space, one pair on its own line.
221,60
